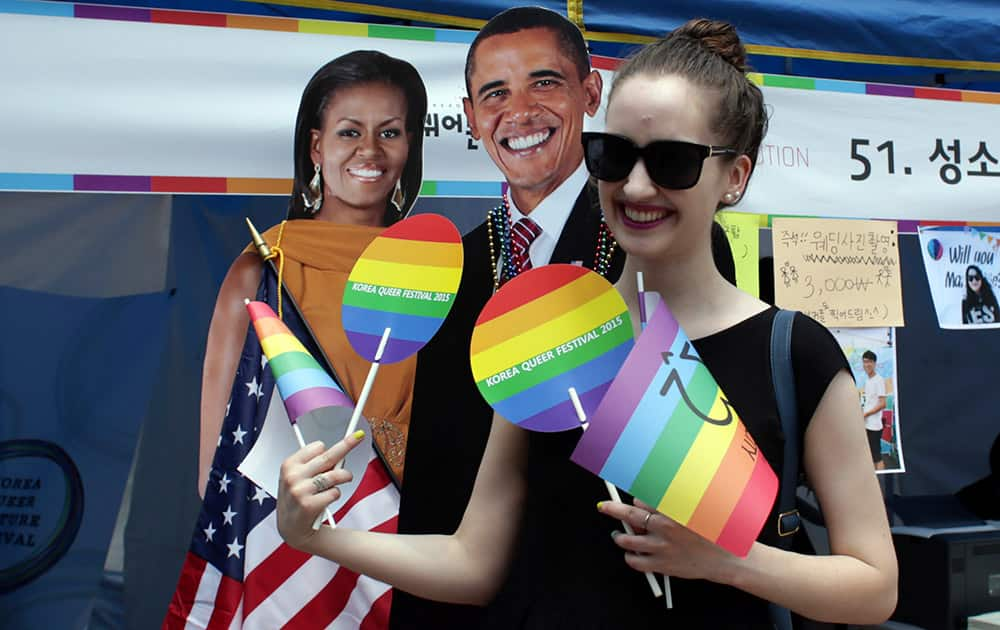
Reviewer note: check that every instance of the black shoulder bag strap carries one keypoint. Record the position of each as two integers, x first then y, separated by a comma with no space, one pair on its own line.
783,378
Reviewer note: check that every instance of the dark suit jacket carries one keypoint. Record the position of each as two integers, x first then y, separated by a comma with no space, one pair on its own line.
450,422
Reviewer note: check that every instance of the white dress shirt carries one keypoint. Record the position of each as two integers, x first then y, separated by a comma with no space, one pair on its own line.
550,215
874,389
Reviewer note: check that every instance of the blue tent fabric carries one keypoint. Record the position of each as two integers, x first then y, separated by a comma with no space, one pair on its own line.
206,232
963,30
957,37
958,29
76,373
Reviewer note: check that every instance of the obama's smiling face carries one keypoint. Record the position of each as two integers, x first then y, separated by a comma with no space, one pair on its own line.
526,105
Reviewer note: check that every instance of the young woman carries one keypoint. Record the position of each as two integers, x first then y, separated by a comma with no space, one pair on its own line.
683,128
358,162
979,306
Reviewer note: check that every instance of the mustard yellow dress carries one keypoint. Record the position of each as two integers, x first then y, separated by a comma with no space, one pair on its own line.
319,256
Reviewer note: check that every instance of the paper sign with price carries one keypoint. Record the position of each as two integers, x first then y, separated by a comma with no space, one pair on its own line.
839,272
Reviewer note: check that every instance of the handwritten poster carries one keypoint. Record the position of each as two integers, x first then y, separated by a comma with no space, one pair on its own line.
840,272
963,271
743,231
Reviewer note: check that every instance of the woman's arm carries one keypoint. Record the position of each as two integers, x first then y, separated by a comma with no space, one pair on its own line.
226,335
466,567
856,584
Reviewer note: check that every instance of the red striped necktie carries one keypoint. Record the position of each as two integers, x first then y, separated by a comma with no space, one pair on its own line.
522,234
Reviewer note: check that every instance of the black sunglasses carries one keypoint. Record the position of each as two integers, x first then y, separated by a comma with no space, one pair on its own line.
671,164
972,277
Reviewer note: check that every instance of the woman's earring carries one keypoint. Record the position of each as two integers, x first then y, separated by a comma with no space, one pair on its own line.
731,197
397,199
316,190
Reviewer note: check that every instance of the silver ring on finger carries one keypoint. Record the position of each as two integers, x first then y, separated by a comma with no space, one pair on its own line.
319,481
645,521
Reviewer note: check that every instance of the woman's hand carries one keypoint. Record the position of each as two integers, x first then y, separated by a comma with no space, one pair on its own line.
307,485
663,545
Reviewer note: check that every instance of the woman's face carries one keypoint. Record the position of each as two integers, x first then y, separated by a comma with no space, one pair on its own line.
648,220
974,280
362,149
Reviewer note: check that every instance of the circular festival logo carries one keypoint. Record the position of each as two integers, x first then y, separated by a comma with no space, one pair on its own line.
548,330
405,282
41,496
935,249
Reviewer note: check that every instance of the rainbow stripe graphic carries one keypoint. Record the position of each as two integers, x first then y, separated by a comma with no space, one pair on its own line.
549,329
115,182
209,185
304,386
405,280
666,433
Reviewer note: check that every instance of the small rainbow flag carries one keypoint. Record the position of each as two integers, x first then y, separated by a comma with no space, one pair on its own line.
405,280
666,434
549,329
304,386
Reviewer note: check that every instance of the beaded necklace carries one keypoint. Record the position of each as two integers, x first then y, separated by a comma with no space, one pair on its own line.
498,220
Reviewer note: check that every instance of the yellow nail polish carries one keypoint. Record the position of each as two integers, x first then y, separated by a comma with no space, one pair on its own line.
599,504
357,435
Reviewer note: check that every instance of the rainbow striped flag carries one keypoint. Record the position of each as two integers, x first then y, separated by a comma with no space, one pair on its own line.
405,280
665,433
549,329
304,386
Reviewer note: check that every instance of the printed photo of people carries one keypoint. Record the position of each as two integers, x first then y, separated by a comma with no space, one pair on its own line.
871,353
979,306
963,271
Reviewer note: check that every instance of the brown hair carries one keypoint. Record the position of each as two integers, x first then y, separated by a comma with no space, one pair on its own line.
708,53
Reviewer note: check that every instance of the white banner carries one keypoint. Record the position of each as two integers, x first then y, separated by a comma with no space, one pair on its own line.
131,98
110,97
860,155
963,270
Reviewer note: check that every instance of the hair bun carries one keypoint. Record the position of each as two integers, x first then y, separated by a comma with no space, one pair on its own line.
719,37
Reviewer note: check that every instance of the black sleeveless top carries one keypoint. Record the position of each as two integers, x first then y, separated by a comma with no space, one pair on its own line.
568,573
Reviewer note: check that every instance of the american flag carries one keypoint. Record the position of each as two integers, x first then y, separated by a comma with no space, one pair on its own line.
238,573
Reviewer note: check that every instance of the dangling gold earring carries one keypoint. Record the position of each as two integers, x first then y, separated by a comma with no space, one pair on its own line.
316,190
398,199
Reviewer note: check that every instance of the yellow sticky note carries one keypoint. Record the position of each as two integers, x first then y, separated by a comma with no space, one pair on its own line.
841,272
743,232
